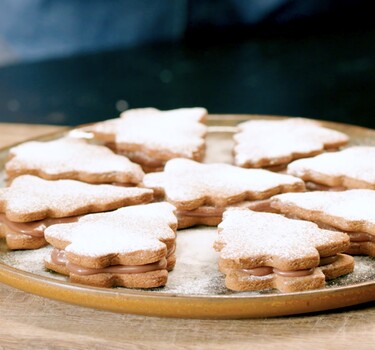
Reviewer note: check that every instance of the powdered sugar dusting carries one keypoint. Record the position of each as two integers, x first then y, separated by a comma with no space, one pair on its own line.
72,155
99,238
248,234
31,196
124,230
351,206
187,180
278,141
356,162
180,131
196,271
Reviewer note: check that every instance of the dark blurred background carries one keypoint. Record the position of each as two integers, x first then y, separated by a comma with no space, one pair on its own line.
76,61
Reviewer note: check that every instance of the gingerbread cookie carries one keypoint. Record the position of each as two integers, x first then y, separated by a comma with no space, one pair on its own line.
201,192
264,250
275,143
131,247
70,158
31,204
350,211
350,168
151,137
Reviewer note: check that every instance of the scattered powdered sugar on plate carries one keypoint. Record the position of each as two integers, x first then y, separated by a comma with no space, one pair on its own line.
28,260
196,271
364,270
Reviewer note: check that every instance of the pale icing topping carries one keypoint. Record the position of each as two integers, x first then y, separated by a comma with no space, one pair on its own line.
351,210
125,230
180,131
30,196
352,163
189,184
70,157
267,142
255,236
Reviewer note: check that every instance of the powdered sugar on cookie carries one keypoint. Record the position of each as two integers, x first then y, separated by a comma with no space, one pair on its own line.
130,229
273,239
180,132
351,210
353,167
262,143
73,159
155,220
30,198
189,184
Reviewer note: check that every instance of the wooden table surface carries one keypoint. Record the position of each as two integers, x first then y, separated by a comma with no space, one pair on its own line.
32,322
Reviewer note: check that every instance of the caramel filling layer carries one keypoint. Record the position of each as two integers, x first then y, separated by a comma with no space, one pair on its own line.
33,228
58,257
267,270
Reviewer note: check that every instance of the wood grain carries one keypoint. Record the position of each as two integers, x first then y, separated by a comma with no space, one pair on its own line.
14,133
31,322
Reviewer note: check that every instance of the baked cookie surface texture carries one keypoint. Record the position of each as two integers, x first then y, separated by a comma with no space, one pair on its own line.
30,204
131,247
201,192
71,158
275,143
350,211
151,137
265,250
353,167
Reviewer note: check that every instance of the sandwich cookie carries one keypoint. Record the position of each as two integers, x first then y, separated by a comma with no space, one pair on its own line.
74,159
131,247
31,204
266,250
151,137
201,192
350,211
273,144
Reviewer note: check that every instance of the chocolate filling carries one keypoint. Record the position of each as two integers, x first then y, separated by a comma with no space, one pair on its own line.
33,228
267,270
119,269
58,257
